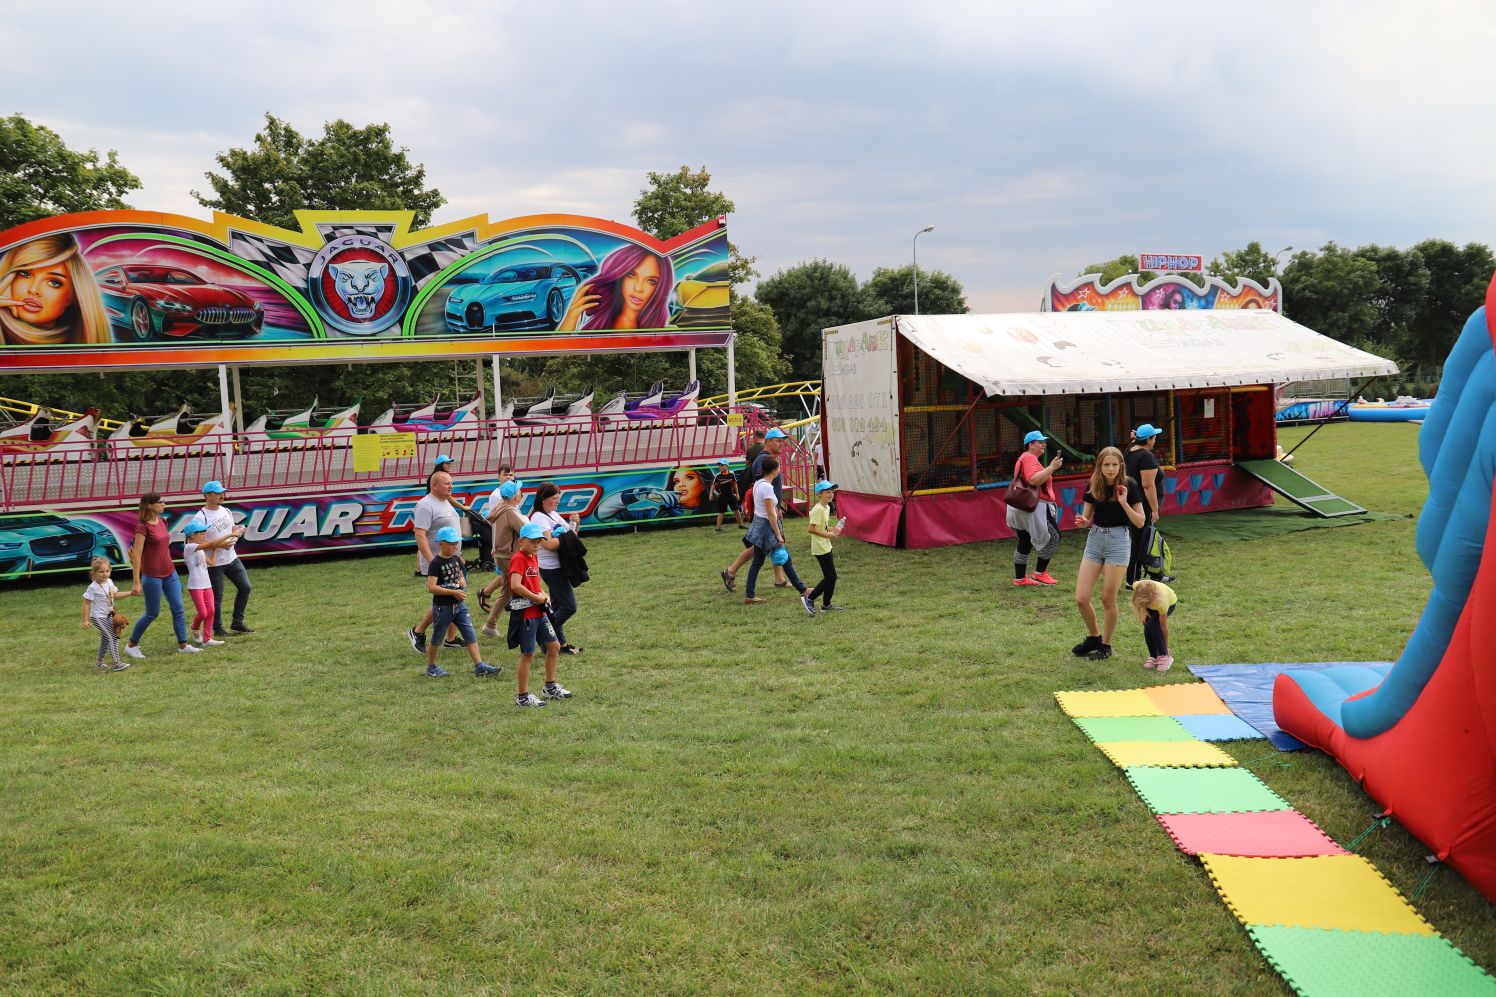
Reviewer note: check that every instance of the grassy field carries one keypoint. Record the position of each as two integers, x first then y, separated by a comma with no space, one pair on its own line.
739,799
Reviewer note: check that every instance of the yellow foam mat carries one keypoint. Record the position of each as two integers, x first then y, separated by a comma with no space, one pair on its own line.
1165,754
1119,703
1186,699
1339,892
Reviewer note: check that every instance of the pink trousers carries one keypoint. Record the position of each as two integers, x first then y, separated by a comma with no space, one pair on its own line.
202,600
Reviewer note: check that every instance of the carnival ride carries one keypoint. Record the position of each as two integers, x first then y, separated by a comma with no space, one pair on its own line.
1420,734
1403,409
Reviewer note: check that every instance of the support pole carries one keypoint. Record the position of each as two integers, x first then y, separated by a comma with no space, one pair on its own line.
732,374
690,365
226,447
482,395
498,393
238,403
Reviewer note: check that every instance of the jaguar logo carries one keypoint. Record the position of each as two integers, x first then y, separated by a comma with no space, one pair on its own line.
360,285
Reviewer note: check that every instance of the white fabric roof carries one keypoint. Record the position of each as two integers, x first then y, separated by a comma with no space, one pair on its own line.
1047,353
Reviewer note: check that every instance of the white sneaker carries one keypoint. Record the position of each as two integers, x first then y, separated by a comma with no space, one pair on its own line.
210,642
488,631
134,652
528,699
555,690
189,649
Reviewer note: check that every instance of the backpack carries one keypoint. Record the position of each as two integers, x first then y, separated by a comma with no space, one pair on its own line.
1158,559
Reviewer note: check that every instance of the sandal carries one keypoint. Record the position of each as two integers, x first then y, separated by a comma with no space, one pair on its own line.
570,649
781,585
484,603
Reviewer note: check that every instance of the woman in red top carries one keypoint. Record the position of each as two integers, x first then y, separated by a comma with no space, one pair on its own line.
1040,528
155,575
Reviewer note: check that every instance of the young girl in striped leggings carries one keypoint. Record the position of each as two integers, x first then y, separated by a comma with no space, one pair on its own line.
98,612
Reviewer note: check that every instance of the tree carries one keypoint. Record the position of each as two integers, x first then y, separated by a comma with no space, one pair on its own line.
810,297
1402,283
890,291
1332,292
678,202
1250,263
1458,278
346,169
41,176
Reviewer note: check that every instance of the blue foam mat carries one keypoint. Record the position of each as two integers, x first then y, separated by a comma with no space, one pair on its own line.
1248,690
1219,727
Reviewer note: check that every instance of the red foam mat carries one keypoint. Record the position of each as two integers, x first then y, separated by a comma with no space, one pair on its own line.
1266,834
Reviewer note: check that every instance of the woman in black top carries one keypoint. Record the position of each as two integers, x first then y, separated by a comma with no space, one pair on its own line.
1142,467
1113,509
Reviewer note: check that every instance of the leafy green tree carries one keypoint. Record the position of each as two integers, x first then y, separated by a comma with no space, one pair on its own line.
1458,278
1402,284
346,169
890,290
1332,292
810,297
1252,263
41,176
678,202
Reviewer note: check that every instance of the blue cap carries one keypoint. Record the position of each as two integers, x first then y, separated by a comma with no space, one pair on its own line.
1033,436
779,555
825,486
448,535
214,486
443,459
774,433
195,526
531,531
1147,431
509,489
724,462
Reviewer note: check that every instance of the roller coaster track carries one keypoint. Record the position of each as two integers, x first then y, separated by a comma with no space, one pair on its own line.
789,389
25,410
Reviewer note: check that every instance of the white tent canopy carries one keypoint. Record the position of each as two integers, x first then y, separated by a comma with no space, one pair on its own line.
1050,353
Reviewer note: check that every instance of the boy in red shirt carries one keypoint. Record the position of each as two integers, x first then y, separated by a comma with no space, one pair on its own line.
530,626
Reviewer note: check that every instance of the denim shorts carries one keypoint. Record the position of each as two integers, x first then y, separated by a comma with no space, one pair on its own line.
444,616
536,633
1109,545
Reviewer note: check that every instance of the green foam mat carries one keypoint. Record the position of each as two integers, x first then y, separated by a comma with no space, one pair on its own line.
1320,963
1203,791
1102,729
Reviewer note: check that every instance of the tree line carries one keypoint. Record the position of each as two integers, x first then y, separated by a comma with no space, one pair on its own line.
1408,304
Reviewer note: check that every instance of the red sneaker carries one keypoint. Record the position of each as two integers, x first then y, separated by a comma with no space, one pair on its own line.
1044,578
1024,581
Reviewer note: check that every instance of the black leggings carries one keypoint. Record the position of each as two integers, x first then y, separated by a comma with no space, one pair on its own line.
1026,544
827,584
1153,633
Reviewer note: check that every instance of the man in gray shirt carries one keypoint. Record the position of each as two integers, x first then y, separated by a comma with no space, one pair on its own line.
433,512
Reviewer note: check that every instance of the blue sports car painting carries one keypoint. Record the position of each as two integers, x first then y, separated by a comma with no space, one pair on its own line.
529,296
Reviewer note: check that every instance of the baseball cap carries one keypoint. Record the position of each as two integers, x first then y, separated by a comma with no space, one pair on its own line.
1147,431
443,459
448,535
531,531
213,486
825,486
775,433
723,462
195,526
509,489
1033,436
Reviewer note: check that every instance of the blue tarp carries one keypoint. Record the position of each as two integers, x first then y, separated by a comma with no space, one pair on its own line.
1248,690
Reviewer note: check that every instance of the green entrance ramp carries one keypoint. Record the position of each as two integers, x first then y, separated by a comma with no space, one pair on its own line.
1296,488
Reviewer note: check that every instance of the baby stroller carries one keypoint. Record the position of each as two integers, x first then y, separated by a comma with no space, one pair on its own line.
483,536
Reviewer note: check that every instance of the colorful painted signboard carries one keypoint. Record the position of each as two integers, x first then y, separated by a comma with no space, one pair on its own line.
44,542
136,289
1130,293
1170,262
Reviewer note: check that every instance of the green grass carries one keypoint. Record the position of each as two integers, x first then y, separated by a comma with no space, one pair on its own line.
737,800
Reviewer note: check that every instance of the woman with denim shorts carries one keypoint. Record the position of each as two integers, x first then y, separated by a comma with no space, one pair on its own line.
1114,508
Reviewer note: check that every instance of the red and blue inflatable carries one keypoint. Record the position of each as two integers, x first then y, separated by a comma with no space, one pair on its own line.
1420,736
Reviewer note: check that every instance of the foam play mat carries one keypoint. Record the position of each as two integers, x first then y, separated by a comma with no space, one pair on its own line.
1341,892
1134,729
1202,791
1263,834
1167,754
1118,703
1187,698
1356,963
1218,727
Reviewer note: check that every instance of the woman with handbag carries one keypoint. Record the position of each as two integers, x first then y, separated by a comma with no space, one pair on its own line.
1033,511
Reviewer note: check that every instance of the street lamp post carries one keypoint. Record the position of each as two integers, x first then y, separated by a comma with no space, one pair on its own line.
927,228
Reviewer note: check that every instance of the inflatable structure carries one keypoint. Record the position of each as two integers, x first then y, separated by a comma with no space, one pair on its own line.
1420,736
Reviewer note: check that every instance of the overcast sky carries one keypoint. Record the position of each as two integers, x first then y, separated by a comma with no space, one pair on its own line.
1037,138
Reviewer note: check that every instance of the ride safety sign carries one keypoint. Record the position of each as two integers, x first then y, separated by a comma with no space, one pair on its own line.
370,449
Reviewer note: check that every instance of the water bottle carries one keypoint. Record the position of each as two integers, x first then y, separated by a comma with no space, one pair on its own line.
841,523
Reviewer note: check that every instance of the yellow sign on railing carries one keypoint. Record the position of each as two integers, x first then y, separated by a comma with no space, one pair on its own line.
369,449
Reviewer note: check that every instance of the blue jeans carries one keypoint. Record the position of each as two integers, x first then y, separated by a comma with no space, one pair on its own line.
563,598
759,556
443,617
153,589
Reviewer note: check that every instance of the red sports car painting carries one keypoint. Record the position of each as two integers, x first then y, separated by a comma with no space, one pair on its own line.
154,301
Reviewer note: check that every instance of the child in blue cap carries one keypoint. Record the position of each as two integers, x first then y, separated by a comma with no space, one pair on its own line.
446,580
822,532
529,619
199,585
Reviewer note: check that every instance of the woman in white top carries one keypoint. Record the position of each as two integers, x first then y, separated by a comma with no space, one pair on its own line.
563,596
765,536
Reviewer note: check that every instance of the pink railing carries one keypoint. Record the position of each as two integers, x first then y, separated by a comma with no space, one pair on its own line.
115,470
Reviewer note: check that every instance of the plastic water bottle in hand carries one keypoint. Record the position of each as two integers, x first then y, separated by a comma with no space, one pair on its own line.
841,523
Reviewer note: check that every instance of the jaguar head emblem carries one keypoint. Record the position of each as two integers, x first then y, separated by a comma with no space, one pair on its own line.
360,284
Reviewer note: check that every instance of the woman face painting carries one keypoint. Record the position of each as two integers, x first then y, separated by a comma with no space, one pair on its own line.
636,289
42,294
691,487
